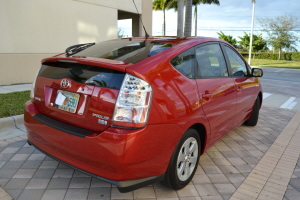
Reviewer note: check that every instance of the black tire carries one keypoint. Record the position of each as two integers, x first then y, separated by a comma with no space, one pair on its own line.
252,121
183,158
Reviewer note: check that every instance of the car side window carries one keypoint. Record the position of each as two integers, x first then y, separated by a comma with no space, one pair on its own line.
237,64
210,61
184,63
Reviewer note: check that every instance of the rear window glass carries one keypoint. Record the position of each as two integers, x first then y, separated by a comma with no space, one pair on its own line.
131,51
86,74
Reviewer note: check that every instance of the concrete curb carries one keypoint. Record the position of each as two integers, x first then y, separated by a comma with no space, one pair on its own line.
4,89
11,127
6,123
19,122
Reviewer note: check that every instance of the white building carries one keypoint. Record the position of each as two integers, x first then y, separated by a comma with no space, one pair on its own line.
34,29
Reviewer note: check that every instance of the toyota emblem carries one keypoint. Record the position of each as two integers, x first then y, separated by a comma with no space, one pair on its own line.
65,83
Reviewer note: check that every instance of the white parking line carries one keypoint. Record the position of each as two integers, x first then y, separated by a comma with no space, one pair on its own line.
288,102
265,95
291,106
279,70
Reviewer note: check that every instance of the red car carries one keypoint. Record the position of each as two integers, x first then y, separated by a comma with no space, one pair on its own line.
136,111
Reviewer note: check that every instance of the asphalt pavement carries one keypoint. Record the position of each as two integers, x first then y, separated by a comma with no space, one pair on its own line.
282,81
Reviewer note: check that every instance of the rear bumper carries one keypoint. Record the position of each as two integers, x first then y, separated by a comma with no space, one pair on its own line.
123,186
127,158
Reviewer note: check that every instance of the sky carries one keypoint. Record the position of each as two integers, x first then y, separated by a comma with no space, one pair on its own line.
233,17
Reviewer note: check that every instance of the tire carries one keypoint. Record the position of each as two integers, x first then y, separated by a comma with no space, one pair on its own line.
184,161
252,121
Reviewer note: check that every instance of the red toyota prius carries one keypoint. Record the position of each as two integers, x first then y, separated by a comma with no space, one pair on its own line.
136,111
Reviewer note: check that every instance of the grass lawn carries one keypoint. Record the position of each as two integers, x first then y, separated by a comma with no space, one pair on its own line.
13,103
275,63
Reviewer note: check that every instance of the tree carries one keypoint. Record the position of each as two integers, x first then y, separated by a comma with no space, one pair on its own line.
196,3
188,18
280,31
258,43
162,5
228,38
120,33
180,4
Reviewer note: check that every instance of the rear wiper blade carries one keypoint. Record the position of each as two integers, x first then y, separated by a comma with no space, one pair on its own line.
77,48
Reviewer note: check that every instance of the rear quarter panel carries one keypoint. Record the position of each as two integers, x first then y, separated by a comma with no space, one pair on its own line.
175,98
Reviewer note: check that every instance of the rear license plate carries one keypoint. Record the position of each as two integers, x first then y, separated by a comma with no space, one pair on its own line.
67,101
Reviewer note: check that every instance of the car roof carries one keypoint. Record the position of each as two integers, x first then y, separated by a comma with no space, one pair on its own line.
176,40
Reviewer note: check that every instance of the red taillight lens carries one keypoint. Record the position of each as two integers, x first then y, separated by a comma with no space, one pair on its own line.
133,103
33,85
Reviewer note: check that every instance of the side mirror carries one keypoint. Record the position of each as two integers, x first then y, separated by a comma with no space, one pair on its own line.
256,72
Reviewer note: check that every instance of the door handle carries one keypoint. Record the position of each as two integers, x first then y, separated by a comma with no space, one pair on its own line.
206,95
239,88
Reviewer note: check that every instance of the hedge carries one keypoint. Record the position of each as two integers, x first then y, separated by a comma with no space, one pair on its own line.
294,56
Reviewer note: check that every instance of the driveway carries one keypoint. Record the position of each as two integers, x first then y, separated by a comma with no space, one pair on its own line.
254,162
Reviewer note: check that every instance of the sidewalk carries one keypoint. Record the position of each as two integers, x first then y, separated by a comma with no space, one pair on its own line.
14,88
260,162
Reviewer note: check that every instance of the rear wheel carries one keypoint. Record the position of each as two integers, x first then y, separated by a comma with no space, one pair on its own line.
184,161
252,121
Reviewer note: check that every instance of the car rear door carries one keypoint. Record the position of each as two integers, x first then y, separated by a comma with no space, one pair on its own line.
244,83
216,89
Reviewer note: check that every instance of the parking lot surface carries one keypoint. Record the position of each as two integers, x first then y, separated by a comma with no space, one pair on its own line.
260,162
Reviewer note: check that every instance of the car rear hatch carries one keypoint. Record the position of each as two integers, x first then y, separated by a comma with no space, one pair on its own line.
81,87
79,92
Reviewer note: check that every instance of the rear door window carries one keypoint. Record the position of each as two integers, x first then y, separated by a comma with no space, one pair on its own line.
210,61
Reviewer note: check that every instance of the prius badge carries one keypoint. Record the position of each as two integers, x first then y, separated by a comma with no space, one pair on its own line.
65,83
101,118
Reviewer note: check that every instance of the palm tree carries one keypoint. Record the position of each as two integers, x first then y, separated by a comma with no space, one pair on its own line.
180,4
188,18
196,3
228,38
162,5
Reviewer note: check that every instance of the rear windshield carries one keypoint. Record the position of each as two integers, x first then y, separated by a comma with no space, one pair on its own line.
86,74
127,50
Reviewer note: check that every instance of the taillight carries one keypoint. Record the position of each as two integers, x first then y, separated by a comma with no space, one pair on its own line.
133,103
33,85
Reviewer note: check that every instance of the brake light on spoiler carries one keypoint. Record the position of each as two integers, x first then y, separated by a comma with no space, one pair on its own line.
133,103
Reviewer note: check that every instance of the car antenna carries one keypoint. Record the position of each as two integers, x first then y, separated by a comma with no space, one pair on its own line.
141,20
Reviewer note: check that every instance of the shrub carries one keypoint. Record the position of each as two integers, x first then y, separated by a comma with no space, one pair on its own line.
293,56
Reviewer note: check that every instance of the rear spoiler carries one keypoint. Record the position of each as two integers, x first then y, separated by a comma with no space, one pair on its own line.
101,62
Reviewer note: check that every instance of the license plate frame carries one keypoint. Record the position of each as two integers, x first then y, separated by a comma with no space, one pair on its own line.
67,101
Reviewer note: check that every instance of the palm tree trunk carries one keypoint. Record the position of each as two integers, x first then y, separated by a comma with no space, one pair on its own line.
180,18
188,19
164,31
195,18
